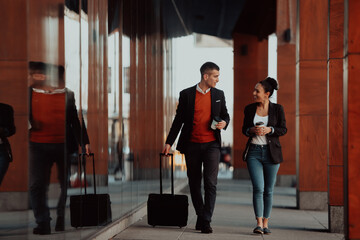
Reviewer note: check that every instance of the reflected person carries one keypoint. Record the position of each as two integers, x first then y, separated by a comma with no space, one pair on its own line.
198,107
55,134
7,129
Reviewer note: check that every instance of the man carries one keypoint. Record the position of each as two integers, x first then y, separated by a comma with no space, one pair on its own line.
55,133
7,129
198,107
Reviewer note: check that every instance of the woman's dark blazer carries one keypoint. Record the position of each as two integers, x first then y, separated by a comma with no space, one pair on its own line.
7,124
184,117
276,120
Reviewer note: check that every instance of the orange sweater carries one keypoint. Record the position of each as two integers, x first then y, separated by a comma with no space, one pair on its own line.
202,132
48,116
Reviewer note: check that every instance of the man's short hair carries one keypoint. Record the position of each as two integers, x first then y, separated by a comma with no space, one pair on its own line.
37,66
208,66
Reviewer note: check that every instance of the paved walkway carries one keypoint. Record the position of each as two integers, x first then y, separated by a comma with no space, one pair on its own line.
234,219
18,225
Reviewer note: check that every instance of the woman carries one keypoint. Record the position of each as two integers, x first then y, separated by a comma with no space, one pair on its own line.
264,122
7,129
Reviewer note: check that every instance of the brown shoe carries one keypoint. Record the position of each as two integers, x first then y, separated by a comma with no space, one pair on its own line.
42,229
206,228
199,223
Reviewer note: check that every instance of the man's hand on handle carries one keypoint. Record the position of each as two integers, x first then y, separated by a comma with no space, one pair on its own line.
87,149
166,149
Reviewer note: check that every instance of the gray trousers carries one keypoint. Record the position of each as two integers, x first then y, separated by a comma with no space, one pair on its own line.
206,155
42,158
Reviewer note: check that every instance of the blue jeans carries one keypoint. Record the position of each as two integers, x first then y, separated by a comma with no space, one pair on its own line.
263,177
4,161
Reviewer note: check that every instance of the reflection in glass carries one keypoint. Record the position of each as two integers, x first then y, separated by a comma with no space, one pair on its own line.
92,79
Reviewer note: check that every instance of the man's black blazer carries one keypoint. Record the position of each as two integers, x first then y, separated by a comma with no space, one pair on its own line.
7,125
76,133
276,120
185,116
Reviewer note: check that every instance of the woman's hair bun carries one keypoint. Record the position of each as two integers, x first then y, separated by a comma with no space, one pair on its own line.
273,83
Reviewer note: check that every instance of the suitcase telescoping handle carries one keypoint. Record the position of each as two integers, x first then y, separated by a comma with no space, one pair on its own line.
82,157
172,172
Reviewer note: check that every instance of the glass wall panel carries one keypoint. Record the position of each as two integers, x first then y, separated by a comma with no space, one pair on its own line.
52,116
76,69
99,80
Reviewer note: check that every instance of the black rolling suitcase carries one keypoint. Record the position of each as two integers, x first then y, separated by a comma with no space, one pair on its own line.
89,209
167,209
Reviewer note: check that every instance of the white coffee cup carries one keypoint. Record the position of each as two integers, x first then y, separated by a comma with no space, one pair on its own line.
215,121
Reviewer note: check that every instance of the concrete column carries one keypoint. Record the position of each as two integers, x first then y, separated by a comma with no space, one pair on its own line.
286,75
311,112
250,67
352,106
133,134
146,90
335,118
26,35
13,91
97,105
